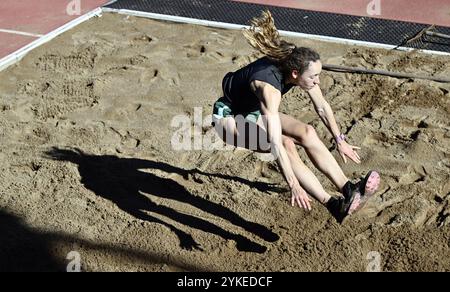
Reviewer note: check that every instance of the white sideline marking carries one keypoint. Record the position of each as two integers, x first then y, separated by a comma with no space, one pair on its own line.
21,33
19,54
282,32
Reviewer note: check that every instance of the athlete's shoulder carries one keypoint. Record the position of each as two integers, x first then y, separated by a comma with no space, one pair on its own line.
263,62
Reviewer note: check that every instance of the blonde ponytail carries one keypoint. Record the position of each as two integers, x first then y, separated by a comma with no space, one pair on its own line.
263,36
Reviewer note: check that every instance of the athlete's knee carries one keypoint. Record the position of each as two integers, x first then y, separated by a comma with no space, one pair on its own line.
308,135
310,132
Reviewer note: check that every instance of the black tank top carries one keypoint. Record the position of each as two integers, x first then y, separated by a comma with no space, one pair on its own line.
236,85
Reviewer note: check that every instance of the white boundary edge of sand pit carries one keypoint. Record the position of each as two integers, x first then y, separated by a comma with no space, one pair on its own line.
19,54
226,25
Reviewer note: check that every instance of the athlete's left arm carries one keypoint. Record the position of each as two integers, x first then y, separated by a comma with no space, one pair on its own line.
325,113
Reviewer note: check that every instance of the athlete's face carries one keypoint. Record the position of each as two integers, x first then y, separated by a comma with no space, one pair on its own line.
310,77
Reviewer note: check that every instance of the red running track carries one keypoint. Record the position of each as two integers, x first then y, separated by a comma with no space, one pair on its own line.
23,21
35,18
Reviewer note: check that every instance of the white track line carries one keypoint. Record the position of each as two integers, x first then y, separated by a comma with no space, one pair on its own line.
21,33
19,54
282,32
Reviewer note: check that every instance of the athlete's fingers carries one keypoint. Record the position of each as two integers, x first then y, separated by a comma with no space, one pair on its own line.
343,158
355,159
308,204
300,203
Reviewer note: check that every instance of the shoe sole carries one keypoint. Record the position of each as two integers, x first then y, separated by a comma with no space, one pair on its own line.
372,182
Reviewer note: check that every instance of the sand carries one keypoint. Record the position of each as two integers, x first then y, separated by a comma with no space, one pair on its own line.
87,163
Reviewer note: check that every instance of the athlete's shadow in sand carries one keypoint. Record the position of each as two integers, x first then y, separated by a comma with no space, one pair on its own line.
122,181
23,249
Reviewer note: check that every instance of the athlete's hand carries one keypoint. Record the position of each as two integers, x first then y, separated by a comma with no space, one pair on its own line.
300,198
346,149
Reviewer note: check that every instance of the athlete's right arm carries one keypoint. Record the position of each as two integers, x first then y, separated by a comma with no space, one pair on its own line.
270,99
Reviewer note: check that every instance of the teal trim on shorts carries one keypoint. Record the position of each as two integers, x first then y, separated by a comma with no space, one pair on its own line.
222,109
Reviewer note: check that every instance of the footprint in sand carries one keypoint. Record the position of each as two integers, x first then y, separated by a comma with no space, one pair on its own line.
80,60
137,60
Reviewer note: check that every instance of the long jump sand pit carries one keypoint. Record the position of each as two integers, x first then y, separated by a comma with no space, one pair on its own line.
88,167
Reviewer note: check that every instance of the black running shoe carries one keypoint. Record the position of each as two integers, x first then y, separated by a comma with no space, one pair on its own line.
340,207
367,187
